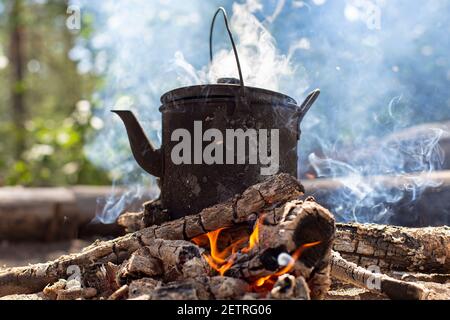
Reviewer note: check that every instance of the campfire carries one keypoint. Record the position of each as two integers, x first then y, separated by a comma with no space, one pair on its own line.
268,242
222,260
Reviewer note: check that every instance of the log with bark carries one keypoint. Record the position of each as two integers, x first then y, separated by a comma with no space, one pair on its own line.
395,248
235,211
200,288
165,260
152,214
380,283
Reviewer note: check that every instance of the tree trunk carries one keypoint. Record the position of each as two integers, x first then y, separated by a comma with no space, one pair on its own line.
17,58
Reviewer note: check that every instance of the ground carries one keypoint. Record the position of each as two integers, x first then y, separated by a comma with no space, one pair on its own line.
22,254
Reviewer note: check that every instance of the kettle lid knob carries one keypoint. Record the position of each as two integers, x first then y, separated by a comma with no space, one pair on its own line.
228,81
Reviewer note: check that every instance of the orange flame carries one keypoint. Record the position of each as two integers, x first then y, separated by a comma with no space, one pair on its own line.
223,260
286,269
254,237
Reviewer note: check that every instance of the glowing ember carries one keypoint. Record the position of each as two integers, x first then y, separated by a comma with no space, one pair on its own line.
286,269
223,260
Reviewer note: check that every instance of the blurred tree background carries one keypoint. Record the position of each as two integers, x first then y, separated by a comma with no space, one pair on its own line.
45,101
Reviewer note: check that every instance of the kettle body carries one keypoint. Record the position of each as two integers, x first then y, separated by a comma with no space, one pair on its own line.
216,145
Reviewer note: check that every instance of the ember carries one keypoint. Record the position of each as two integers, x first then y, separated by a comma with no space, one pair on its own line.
271,279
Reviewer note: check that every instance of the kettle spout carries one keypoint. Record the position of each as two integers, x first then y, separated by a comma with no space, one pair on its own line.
307,104
143,150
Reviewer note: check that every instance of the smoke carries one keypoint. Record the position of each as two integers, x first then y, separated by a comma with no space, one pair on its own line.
382,66
365,197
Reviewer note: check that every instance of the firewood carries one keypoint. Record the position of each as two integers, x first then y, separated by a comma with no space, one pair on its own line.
131,221
181,290
120,293
289,287
320,282
51,291
255,199
346,271
302,290
141,264
201,288
433,277
152,214
168,260
224,288
301,228
68,290
142,289
237,210
395,248
102,277
25,297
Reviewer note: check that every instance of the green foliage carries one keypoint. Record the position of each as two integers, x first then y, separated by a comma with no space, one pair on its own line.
58,115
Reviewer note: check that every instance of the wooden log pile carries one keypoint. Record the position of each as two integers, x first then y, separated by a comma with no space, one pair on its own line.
267,243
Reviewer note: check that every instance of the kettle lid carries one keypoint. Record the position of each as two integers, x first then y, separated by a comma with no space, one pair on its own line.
227,88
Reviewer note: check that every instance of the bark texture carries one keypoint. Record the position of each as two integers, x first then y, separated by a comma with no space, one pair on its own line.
380,283
395,248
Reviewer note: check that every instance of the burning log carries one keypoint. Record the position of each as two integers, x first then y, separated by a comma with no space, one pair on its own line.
294,238
289,229
395,248
376,282
257,198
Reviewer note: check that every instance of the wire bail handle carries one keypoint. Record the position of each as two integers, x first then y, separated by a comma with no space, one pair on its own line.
225,17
